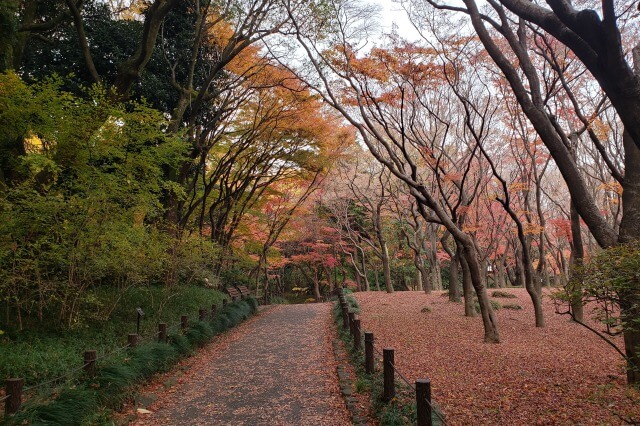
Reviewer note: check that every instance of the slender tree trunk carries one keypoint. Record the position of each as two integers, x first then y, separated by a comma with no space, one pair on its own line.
425,283
386,267
454,279
574,285
356,273
467,287
365,276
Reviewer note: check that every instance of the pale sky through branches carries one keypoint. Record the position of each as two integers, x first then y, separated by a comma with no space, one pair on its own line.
393,13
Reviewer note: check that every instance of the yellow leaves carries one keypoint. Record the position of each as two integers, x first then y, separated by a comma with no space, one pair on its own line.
600,128
532,228
519,186
612,186
33,144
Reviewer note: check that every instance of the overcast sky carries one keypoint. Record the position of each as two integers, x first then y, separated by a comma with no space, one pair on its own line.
392,13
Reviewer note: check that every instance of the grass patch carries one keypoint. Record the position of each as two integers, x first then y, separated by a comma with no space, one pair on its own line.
512,307
90,400
503,294
401,411
46,353
495,305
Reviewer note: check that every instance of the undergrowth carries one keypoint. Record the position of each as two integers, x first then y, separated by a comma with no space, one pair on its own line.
47,352
90,400
401,410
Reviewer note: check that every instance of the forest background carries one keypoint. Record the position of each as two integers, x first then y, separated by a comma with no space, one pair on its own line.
151,145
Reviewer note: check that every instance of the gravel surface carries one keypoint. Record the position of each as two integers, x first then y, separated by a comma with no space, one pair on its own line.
277,369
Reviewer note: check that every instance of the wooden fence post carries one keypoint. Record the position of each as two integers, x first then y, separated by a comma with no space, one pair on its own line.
345,316
351,323
162,332
214,310
357,337
224,303
13,388
423,402
183,322
132,339
369,366
90,362
389,378
202,314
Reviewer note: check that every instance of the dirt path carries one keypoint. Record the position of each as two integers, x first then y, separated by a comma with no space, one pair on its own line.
278,369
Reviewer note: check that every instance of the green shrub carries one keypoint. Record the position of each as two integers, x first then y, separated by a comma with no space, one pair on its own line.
512,306
277,300
503,294
495,305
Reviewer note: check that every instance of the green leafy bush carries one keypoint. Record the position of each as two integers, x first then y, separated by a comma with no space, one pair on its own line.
503,294
512,306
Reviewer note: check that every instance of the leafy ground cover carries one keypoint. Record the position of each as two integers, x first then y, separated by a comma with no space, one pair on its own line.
41,354
561,374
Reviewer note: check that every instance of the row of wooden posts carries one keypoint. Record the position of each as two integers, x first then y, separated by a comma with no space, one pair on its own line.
14,387
351,321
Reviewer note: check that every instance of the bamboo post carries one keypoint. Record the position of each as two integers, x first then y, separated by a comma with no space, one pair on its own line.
389,378
369,365
13,388
162,332
90,357
423,402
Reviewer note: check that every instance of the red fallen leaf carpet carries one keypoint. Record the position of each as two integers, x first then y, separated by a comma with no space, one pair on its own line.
562,374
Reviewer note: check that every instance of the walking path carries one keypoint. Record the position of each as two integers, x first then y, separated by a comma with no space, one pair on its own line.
277,369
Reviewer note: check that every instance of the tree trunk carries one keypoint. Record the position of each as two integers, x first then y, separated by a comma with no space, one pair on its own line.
467,287
630,231
356,272
574,285
454,279
386,267
365,277
423,274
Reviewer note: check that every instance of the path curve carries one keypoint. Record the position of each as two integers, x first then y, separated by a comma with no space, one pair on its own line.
278,369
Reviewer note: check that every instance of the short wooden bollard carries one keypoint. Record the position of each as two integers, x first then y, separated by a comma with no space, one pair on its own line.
132,340
162,332
202,314
357,337
90,362
389,378
369,365
423,402
224,303
214,311
184,322
13,389
352,316
345,317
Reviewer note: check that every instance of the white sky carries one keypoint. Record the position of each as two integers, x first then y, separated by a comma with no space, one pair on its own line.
392,13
